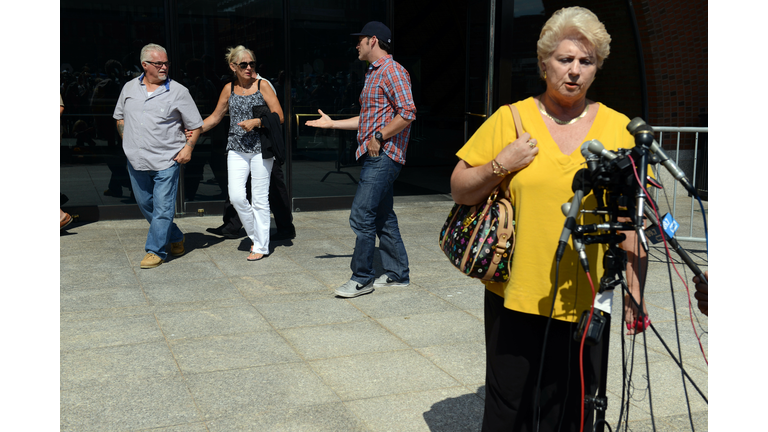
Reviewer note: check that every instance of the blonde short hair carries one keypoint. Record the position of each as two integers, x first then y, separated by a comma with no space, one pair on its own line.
234,55
573,21
148,48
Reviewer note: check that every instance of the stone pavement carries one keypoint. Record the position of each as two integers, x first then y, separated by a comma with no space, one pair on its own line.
211,342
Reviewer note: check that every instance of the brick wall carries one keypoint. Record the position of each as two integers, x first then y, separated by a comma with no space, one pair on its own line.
674,39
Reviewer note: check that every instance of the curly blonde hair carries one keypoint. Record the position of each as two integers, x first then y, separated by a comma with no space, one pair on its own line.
235,54
573,21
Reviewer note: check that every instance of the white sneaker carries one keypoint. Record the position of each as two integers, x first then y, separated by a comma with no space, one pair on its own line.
385,281
353,289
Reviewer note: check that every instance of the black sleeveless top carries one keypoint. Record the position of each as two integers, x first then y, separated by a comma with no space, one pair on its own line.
241,109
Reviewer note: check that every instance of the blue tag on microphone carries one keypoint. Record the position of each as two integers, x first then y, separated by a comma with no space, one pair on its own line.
670,228
670,225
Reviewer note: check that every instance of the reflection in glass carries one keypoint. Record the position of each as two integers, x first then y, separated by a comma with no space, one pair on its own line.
92,74
206,30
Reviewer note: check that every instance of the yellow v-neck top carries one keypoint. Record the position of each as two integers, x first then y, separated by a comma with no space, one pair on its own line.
538,191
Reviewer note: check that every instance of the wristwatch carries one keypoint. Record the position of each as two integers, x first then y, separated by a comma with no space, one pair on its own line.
379,137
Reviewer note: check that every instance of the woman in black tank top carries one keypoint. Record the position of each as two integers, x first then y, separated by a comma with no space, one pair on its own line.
244,153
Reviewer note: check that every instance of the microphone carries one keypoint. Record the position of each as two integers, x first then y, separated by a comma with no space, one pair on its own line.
637,125
581,186
596,147
591,158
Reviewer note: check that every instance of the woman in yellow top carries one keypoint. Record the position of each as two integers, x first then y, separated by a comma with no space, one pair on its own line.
571,47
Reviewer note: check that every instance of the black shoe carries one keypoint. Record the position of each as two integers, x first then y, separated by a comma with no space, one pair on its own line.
225,231
113,194
285,235
230,233
216,231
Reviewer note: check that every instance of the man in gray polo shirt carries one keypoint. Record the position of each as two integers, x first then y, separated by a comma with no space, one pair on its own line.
152,113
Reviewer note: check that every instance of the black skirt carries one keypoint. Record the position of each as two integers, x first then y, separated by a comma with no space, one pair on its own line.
513,357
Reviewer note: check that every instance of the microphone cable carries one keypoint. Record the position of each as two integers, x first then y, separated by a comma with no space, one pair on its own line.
581,349
536,408
641,317
684,374
669,260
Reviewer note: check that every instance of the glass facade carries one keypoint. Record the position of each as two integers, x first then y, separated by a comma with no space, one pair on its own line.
461,66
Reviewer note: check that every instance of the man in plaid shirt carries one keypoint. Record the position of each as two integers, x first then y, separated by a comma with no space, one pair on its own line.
383,128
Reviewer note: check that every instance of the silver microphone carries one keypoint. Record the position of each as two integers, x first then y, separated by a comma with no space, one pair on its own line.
596,147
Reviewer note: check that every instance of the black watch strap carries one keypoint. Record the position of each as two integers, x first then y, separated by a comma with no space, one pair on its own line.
379,137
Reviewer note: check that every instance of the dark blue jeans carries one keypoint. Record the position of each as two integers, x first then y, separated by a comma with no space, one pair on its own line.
372,215
155,193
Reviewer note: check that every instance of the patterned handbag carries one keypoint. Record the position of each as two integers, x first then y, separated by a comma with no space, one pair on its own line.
479,240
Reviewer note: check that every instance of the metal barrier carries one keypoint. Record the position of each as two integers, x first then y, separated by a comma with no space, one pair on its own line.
698,178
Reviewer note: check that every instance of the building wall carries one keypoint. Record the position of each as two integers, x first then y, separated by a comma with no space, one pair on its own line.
674,38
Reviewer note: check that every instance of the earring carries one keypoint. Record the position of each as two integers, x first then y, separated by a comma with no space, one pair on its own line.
545,74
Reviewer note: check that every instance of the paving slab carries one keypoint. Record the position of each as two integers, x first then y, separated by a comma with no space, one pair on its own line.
378,374
336,340
238,351
128,404
450,410
211,322
316,418
256,390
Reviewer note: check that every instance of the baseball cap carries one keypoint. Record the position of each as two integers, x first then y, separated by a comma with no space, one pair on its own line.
378,29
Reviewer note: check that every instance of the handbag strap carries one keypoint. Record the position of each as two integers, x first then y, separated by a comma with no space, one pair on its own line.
505,232
519,131
517,119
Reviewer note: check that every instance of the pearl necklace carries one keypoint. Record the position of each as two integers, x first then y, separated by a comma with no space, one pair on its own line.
562,122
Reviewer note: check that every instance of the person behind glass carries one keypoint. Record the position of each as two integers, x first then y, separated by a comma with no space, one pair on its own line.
244,150
702,293
538,168
279,201
383,128
152,112
64,218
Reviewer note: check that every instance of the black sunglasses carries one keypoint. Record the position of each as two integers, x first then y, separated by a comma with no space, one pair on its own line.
244,65
159,64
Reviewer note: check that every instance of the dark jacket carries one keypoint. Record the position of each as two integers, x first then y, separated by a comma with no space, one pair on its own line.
271,135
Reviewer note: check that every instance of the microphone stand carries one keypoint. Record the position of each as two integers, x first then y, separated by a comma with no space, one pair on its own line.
612,180
643,140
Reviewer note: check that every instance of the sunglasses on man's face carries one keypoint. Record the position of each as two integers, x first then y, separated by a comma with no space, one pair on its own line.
244,65
158,64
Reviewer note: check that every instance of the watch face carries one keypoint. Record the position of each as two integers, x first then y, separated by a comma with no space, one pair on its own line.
378,136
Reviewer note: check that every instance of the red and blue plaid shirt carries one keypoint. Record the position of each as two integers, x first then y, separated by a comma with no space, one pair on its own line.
387,92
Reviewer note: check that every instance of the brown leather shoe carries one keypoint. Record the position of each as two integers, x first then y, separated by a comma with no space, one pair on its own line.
66,221
151,261
177,248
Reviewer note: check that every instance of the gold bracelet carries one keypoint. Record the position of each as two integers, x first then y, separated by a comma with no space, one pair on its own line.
498,168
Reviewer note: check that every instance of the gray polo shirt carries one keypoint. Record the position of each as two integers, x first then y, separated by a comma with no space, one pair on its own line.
154,125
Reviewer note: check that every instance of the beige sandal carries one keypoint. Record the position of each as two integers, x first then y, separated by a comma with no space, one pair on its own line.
254,256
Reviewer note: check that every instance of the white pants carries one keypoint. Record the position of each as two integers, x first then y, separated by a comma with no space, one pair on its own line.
255,214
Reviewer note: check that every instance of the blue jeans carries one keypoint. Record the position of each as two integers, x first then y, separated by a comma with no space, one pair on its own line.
155,193
371,216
